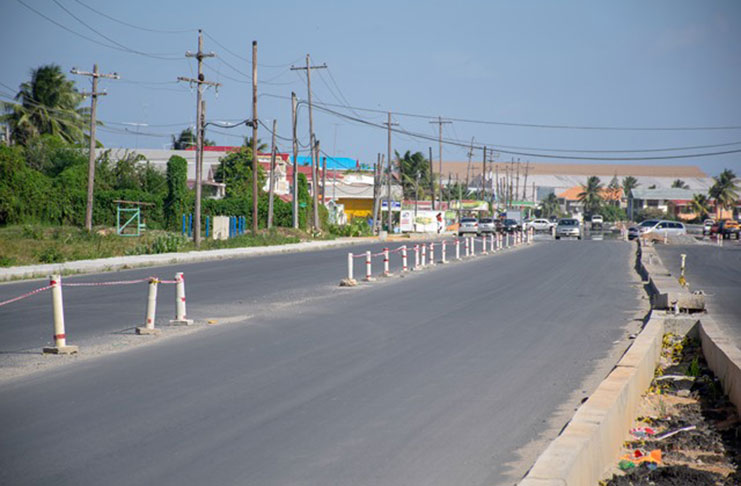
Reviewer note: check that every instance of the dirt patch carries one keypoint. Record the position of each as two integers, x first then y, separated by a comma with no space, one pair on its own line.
688,433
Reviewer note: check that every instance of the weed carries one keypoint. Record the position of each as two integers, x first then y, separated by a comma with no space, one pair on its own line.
694,369
7,261
32,232
51,255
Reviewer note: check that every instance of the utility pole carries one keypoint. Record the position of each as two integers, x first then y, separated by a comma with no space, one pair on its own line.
432,182
468,167
460,196
324,180
295,161
91,157
388,181
314,154
440,122
254,138
517,184
378,194
200,82
483,176
272,177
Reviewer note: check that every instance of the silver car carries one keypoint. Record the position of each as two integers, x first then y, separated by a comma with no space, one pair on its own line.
487,225
468,225
568,228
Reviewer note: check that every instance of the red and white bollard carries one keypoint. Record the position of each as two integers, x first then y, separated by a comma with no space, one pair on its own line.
457,249
424,254
404,267
473,246
483,245
492,246
386,272
60,338
180,316
467,252
368,262
416,256
442,250
432,253
148,327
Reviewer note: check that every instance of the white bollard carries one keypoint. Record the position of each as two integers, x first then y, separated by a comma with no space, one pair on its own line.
404,267
432,253
468,252
442,259
180,316
350,267
60,338
666,237
424,254
492,246
473,246
457,249
416,256
368,260
148,327
386,272
483,245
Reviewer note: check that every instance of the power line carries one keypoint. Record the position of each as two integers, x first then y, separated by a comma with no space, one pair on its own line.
132,25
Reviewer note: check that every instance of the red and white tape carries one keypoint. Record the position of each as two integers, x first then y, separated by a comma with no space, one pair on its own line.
26,295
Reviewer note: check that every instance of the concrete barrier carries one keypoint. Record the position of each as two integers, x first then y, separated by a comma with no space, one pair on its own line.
723,357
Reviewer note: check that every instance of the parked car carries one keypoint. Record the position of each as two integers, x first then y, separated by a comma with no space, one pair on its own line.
541,225
487,225
634,232
510,226
728,228
597,221
568,228
468,225
663,227
706,225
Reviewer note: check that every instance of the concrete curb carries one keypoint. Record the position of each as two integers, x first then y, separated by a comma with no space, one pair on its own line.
666,292
136,261
591,443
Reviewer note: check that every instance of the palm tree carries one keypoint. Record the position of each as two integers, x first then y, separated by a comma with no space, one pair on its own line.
415,173
629,183
591,195
724,190
549,206
47,104
261,147
700,205
187,139
680,184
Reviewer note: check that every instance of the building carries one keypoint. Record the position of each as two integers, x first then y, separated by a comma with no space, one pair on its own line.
570,203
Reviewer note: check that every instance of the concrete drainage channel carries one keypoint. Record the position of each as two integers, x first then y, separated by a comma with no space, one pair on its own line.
590,445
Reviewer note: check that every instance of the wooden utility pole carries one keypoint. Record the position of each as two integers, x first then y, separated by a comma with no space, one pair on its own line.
254,138
295,161
468,167
440,122
524,183
460,196
378,194
517,184
389,219
432,182
199,82
324,180
313,143
91,157
271,187
483,176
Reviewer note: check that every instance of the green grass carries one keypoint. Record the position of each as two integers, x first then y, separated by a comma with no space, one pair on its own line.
33,244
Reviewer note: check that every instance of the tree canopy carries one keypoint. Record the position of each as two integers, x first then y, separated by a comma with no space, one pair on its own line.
591,195
724,191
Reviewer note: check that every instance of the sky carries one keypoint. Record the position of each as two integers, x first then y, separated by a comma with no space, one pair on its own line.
544,81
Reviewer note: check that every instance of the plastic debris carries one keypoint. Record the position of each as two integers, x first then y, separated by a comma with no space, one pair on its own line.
642,432
674,432
639,456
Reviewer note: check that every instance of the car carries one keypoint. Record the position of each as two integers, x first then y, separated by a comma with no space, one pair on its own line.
541,224
728,228
487,225
568,228
662,227
634,232
597,221
707,225
468,225
510,226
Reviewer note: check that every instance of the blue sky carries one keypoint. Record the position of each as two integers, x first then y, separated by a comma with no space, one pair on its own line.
591,64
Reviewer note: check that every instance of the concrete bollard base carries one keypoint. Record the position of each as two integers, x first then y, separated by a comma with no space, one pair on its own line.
369,279
348,282
387,274
146,331
181,322
61,350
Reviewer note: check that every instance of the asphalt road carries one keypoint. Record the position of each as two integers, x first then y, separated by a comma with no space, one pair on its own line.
213,289
717,272
438,378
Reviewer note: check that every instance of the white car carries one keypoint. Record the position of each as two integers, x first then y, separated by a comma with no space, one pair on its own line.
597,221
541,224
662,227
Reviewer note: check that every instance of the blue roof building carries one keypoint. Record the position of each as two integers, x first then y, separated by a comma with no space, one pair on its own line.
335,163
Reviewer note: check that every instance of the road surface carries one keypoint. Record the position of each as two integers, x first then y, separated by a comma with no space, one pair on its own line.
438,378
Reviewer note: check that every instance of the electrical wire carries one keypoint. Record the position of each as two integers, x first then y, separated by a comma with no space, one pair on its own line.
157,31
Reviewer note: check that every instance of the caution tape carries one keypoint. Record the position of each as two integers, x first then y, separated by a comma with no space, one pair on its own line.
21,297
105,284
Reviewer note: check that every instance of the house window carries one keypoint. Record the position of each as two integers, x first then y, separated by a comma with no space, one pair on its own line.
652,203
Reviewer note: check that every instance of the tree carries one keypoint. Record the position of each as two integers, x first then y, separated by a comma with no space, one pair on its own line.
235,170
724,190
48,104
187,139
415,174
261,147
591,195
629,183
680,184
700,205
176,202
550,206
613,191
